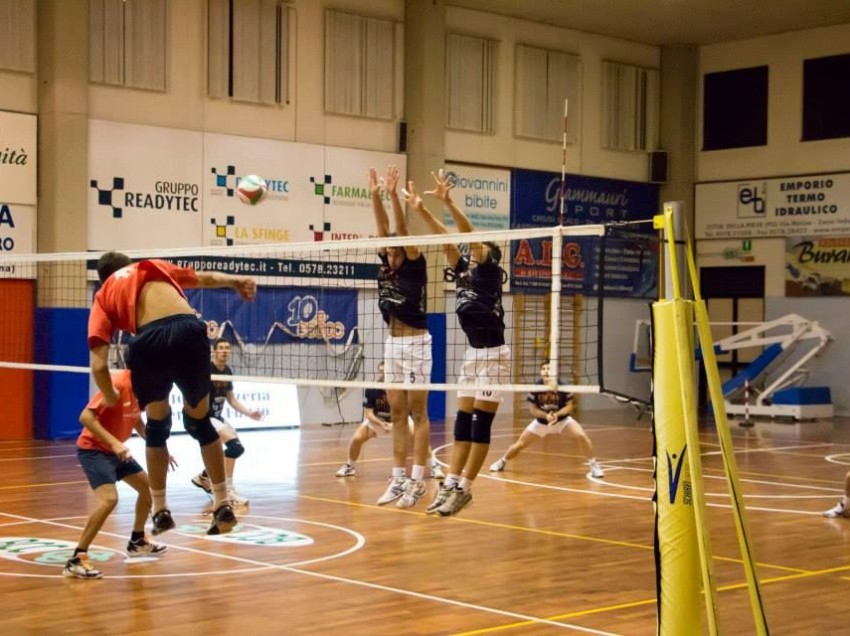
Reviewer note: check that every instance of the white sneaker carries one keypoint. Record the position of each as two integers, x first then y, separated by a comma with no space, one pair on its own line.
596,470
346,470
79,567
236,499
413,491
498,465
437,470
394,490
840,510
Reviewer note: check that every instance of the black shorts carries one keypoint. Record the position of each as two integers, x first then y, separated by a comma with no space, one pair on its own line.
169,351
105,468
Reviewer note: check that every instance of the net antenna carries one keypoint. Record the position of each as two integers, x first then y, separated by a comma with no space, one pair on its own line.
563,190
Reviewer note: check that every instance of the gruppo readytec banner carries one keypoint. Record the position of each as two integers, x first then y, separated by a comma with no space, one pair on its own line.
789,206
629,269
18,175
159,187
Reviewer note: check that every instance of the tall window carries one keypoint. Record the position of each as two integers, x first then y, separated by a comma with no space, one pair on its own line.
630,107
127,43
544,79
17,35
826,97
471,65
359,66
734,108
248,50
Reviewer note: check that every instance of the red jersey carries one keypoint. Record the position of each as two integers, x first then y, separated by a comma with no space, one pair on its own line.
119,419
114,305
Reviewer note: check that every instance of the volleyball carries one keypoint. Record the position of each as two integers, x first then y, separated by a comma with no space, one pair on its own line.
252,189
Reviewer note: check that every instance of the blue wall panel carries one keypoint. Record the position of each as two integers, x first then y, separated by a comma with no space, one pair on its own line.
60,336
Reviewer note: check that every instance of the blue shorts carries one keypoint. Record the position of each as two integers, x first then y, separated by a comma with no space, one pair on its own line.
105,468
169,351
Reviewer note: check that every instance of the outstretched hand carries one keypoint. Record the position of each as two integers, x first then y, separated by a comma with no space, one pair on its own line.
391,181
410,197
374,187
247,288
443,186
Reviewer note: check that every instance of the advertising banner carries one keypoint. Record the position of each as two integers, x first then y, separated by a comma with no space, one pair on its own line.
817,266
484,195
342,185
145,187
17,228
630,267
790,206
18,158
290,211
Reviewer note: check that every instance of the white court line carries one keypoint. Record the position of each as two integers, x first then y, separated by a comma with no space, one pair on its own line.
768,450
338,579
29,458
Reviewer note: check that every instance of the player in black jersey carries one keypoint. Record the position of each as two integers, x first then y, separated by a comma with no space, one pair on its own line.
376,420
551,411
221,392
402,280
478,274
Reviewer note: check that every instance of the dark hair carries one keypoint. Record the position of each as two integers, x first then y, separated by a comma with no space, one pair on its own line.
110,263
218,341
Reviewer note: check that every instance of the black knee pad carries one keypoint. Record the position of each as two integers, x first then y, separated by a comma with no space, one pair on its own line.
200,428
157,432
233,448
482,422
463,427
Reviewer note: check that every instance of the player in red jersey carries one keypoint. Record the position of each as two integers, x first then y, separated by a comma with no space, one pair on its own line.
169,346
106,460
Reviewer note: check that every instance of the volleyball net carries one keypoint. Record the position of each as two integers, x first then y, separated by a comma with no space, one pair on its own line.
316,320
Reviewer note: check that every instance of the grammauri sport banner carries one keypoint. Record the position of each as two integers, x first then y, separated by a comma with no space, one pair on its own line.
535,202
817,266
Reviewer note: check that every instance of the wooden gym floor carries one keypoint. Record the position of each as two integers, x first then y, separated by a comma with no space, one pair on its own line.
542,550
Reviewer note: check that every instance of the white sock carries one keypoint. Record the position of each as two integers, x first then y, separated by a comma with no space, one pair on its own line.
451,480
417,472
846,501
398,472
465,484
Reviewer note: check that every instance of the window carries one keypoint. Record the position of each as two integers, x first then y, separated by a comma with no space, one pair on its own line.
127,43
471,83
17,34
544,79
359,66
248,50
630,107
735,108
826,97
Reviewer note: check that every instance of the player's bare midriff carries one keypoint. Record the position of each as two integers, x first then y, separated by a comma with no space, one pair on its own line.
399,328
160,300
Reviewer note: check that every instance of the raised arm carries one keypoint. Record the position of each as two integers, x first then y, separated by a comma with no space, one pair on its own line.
245,285
391,185
382,222
415,202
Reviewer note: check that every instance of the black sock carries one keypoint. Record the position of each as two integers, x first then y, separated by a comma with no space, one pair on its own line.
135,536
78,551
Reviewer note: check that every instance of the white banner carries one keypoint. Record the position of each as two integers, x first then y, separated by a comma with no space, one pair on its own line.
343,187
17,229
277,402
290,213
144,187
791,206
18,153
484,195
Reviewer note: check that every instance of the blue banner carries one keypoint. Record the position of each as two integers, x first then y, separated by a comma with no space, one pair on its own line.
279,315
631,264
535,200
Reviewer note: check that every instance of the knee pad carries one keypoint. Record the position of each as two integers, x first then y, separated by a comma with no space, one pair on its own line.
233,448
157,432
463,427
482,422
200,428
